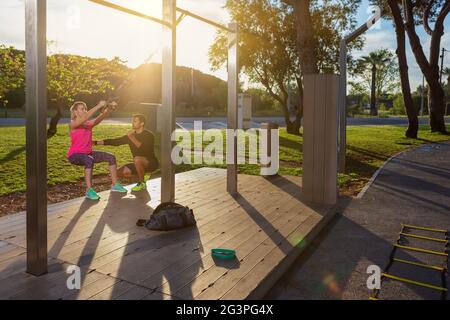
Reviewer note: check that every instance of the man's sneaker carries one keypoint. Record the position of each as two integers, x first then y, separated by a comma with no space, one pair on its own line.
92,195
118,188
139,187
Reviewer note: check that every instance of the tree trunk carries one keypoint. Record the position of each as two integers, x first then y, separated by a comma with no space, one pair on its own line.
429,69
413,122
373,99
436,107
306,42
53,126
293,127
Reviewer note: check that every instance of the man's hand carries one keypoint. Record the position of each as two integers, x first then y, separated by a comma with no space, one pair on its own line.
98,143
131,133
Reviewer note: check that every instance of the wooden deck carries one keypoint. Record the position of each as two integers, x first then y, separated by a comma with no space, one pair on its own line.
266,223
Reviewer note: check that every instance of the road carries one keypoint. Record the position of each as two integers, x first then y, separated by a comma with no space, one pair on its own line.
220,122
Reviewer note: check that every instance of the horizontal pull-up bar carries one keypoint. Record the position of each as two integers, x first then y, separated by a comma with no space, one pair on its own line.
144,16
195,16
132,12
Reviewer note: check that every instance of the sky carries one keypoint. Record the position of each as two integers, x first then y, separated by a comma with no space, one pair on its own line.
85,28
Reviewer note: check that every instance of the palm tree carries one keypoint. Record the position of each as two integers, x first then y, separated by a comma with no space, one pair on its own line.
375,60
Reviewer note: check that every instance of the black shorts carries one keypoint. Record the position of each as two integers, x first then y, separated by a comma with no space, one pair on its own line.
153,165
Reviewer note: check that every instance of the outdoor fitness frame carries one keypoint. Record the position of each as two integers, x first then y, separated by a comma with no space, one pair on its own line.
36,110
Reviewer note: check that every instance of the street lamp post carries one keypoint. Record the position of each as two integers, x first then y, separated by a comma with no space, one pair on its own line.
442,64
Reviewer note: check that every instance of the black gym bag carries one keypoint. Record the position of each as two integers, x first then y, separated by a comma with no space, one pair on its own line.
169,216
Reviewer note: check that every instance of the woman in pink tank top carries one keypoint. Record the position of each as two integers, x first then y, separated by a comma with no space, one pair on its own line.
80,152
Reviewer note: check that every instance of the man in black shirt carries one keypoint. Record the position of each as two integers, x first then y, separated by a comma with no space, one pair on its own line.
142,145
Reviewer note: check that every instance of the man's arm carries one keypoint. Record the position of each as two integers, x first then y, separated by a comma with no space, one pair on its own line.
132,138
113,142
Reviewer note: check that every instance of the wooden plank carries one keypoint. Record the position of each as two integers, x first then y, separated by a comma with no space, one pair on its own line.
26,288
89,290
180,251
236,240
114,291
259,281
208,277
221,222
201,224
12,253
248,263
134,293
183,244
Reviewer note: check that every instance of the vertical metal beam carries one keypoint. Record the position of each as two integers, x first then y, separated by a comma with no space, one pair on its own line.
342,100
342,103
232,108
36,139
168,101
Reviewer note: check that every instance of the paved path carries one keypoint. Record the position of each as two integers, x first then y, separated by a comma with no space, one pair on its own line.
413,188
220,122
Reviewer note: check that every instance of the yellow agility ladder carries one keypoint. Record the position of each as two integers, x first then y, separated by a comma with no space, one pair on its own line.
442,269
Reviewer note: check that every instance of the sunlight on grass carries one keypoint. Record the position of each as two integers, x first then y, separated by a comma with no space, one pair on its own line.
368,148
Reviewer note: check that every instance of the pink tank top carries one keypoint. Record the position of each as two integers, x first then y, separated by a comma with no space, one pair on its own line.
81,139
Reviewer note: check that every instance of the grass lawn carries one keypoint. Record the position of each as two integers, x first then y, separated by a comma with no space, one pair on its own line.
368,148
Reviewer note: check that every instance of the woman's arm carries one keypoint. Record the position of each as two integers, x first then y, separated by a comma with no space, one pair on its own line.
80,120
104,114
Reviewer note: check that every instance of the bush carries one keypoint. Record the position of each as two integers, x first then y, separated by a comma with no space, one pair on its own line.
399,105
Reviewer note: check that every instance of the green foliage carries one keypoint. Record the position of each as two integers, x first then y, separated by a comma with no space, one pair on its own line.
263,104
72,75
399,105
268,47
353,110
12,70
387,79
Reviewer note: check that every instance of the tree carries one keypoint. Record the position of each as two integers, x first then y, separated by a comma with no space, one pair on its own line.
394,13
12,70
72,75
269,45
425,12
377,72
411,111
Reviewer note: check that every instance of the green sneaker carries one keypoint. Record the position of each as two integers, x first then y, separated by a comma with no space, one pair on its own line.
92,195
139,187
118,188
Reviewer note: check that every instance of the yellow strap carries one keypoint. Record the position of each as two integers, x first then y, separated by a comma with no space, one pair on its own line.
421,250
423,238
423,228
441,269
421,284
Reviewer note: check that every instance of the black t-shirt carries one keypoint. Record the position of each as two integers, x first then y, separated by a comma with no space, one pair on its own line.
147,148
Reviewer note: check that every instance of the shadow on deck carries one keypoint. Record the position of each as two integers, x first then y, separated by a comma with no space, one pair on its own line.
266,223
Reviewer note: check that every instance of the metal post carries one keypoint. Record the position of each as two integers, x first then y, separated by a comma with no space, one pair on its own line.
342,103
168,101
36,139
342,135
233,80
422,93
442,65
